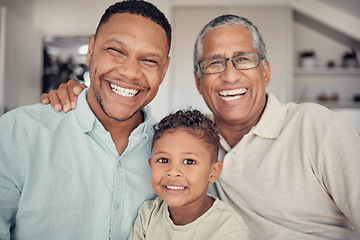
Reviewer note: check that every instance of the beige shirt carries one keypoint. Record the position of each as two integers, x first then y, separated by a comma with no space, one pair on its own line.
296,175
220,222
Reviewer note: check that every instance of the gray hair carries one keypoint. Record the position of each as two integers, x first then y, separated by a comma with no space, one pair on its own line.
226,20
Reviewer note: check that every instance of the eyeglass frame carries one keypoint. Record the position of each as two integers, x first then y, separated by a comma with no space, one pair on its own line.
227,59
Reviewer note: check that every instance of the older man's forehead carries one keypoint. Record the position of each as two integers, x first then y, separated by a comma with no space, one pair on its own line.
227,41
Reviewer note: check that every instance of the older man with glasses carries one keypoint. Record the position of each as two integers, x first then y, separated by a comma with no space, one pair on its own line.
291,170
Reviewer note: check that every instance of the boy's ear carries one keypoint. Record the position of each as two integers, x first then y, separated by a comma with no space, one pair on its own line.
215,171
149,160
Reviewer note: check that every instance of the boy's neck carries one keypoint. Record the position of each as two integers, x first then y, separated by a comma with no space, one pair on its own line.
188,214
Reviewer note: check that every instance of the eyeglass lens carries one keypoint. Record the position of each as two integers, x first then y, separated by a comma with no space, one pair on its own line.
240,62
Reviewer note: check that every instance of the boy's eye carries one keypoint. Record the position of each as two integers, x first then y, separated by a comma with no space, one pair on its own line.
189,161
163,160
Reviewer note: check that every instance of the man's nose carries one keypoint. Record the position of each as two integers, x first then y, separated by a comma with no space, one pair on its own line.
130,68
230,74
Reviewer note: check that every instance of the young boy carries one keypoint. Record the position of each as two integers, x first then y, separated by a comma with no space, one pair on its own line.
184,160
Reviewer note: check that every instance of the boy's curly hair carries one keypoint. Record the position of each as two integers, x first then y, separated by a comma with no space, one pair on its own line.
193,122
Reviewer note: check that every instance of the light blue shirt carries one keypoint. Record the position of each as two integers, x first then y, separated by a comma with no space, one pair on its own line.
61,176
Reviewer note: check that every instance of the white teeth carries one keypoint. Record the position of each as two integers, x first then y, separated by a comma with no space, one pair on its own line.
230,95
231,98
175,187
125,92
233,92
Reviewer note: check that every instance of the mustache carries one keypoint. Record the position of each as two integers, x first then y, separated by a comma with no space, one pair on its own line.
120,79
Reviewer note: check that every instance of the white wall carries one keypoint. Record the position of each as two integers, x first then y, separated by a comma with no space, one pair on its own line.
2,56
345,83
23,56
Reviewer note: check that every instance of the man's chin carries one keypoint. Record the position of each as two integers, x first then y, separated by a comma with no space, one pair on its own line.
119,116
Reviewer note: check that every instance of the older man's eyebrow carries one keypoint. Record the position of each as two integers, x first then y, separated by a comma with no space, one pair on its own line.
233,55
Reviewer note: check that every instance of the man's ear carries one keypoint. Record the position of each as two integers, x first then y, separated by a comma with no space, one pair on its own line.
215,171
198,82
90,50
149,160
267,74
165,69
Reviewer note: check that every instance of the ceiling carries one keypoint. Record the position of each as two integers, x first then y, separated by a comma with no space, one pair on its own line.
350,6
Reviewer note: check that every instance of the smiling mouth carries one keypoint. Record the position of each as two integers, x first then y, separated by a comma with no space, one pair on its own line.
230,95
124,92
175,187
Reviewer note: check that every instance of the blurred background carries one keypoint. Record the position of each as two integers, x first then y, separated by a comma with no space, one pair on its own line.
313,48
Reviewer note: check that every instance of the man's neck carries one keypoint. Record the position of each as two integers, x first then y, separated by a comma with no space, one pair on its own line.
119,130
234,133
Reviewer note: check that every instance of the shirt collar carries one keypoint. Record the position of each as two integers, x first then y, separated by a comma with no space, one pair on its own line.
84,113
272,119
146,127
88,120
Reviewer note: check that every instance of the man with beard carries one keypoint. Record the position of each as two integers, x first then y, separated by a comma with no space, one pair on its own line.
51,187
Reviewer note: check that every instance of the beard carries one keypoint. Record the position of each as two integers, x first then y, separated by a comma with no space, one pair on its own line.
99,101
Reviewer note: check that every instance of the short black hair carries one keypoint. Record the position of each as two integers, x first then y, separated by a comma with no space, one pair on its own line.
139,7
193,122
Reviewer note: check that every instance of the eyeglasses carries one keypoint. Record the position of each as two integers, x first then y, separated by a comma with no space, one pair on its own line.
240,62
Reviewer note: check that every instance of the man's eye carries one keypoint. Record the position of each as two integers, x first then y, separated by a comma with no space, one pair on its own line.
217,62
149,63
163,160
117,51
241,59
189,161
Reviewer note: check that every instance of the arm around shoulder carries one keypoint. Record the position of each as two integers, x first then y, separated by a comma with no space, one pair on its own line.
65,97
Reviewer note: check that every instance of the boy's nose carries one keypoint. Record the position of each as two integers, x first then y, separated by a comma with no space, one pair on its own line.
174,172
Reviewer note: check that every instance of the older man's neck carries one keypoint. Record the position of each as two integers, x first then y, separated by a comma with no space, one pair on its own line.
234,132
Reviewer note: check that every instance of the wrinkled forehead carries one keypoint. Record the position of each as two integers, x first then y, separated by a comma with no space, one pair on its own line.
227,41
